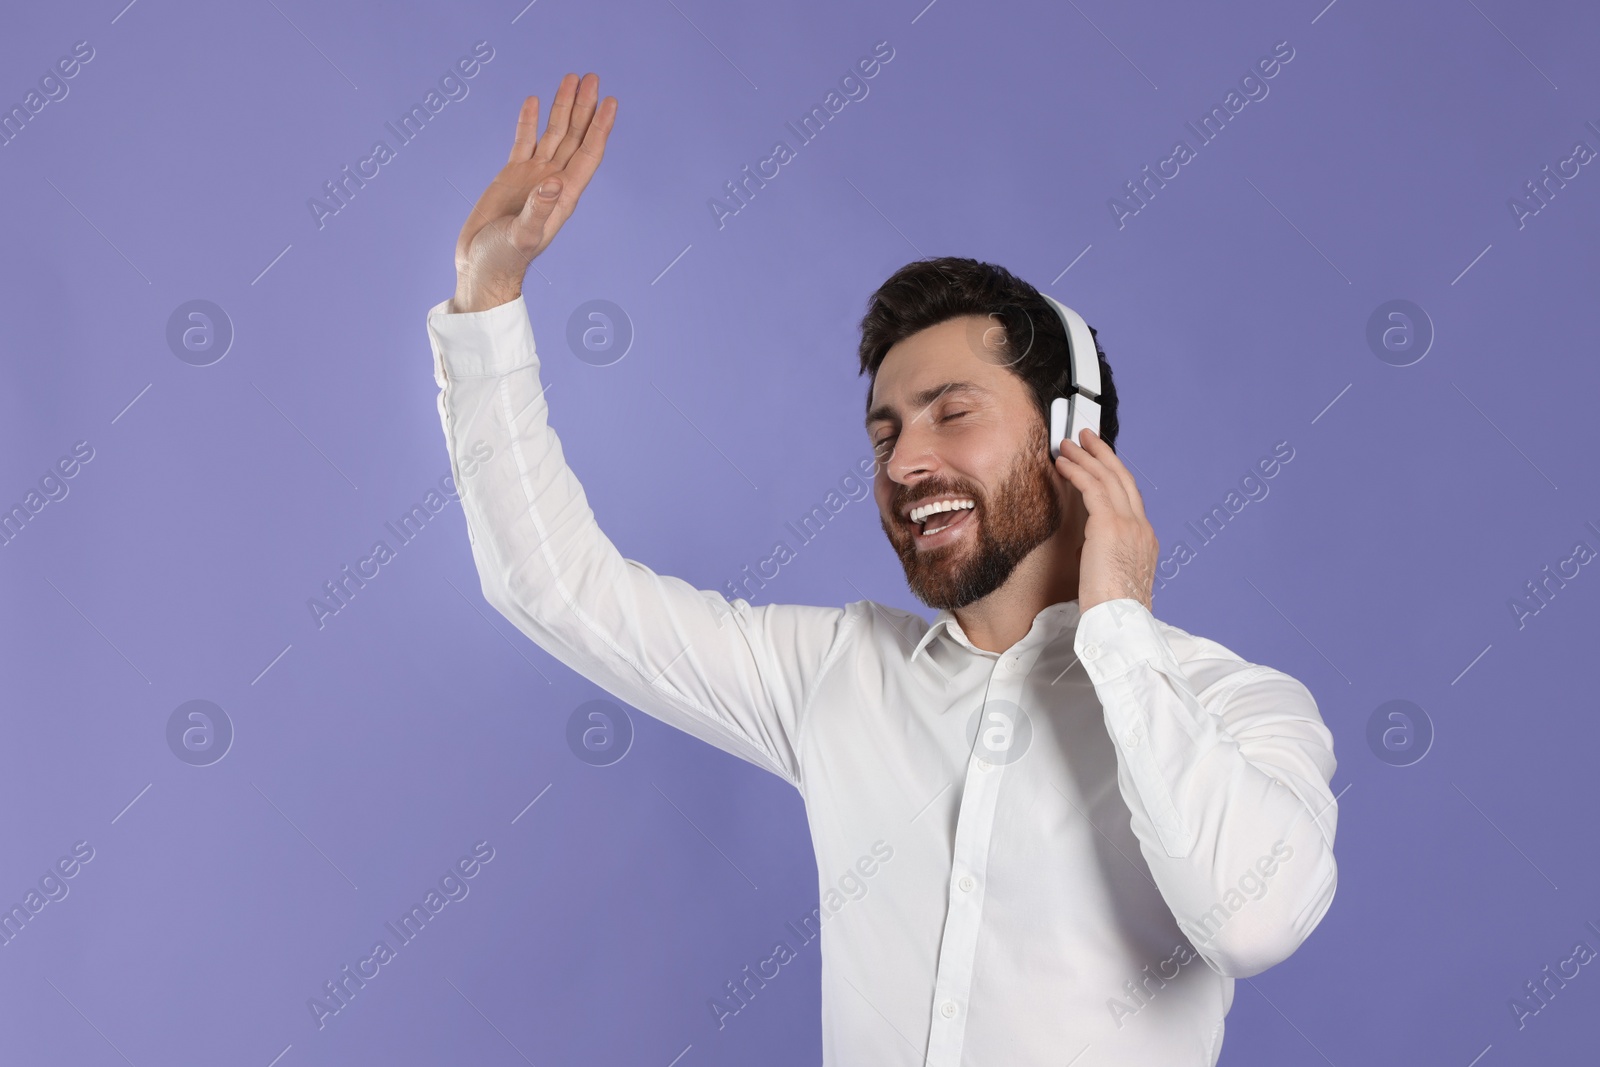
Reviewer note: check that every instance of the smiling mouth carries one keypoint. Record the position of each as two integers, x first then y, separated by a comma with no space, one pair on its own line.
944,526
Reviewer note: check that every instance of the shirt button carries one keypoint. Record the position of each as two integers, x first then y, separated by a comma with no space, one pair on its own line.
966,883
1134,736
1013,665
984,763
1091,651
948,1009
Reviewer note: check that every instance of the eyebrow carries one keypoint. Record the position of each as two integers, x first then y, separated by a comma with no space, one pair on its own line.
884,412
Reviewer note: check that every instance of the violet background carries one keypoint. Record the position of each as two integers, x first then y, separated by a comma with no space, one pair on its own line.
371,753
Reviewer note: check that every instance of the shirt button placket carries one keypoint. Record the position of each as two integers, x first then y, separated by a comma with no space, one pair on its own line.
964,918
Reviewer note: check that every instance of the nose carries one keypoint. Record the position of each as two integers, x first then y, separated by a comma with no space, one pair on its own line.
912,456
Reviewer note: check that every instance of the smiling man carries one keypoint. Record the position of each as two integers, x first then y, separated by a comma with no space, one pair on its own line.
1098,820
950,400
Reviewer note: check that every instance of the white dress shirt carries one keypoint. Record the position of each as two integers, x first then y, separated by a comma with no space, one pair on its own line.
1092,834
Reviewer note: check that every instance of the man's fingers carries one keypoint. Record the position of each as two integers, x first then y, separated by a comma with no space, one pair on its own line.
1091,487
1105,465
1113,462
583,163
1104,478
574,177
578,124
527,131
560,115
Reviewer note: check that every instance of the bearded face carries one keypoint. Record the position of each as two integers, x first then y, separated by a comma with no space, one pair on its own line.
969,539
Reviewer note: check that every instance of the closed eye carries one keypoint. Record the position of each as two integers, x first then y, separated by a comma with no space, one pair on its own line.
886,438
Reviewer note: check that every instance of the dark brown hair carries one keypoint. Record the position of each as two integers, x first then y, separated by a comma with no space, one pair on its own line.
926,292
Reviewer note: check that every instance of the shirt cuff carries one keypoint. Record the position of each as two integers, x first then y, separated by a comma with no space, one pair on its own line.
480,344
1115,636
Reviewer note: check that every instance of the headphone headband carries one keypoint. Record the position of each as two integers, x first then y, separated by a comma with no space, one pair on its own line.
1084,358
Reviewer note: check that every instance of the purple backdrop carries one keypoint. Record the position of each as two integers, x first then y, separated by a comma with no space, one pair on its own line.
1376,260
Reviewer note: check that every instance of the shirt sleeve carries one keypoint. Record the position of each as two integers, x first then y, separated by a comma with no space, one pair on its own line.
1225,766
736,676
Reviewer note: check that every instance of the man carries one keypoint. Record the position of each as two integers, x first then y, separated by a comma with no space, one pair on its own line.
1097,821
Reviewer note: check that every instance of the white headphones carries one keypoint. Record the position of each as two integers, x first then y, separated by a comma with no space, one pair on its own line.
1071,414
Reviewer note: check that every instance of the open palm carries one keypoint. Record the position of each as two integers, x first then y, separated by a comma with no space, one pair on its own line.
534,194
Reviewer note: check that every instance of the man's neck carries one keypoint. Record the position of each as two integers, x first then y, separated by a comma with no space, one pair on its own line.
1047,575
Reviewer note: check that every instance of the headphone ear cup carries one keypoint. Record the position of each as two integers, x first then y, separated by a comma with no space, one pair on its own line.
1085,415
1069,417
1060,419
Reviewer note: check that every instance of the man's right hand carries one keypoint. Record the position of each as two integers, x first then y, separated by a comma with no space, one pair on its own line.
534,193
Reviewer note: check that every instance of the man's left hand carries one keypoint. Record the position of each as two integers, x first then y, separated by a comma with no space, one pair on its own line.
1119,545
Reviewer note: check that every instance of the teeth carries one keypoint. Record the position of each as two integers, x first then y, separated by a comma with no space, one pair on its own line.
920,514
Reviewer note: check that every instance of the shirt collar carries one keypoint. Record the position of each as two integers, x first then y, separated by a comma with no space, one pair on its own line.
1052,620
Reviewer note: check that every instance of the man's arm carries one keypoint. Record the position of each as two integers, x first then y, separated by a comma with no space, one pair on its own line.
736,676
1225,766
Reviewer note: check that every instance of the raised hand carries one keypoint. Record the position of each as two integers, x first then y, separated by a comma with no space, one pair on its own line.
1119,545
535,192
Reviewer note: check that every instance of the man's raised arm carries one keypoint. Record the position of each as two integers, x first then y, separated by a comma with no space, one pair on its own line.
735,676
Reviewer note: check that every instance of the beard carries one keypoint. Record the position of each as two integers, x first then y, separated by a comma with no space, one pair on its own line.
1024,513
